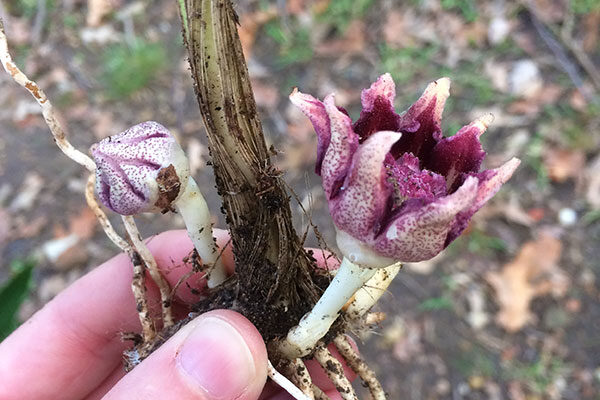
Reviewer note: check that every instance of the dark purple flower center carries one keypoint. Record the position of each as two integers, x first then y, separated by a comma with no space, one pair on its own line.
431,153
423,165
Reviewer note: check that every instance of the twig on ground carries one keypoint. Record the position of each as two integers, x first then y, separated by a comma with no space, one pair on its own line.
548,34
38,24
584,60
47,109
361,368
335,371
148,258
285,383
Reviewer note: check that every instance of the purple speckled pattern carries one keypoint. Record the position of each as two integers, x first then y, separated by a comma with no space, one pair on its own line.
393,181
127,165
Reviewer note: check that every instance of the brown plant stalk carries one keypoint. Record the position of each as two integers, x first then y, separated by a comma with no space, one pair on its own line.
274,283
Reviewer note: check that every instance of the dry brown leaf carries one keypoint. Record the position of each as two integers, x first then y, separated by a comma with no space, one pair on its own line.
592,181
83,224
24,229
548,94
591,22
97,10
395,30
533,273
563,164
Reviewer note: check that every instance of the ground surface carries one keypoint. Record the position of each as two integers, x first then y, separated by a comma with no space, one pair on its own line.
509,311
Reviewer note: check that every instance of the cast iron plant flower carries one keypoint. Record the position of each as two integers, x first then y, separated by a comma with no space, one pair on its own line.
394,183
397,189
145,170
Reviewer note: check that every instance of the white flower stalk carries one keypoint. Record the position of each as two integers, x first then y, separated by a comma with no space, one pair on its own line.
349,278
367,296
145,170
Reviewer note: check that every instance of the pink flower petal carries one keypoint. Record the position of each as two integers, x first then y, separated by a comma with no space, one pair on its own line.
338,155
490,181
459,154
363,199
410,182
314,109
378,108
420,124
421,233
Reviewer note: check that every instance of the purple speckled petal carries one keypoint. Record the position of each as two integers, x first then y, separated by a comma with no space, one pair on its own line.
420,233
127,165
459,154
314,109
377,108
364,198
410,182
490,182
342,146
393,183
420,124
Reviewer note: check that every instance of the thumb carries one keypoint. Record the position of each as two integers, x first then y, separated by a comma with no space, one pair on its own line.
218,356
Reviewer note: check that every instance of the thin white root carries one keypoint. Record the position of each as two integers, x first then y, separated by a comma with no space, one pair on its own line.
367,296
299,375
334,370
148,258
285,383
138,285
47,109
101,216
360,367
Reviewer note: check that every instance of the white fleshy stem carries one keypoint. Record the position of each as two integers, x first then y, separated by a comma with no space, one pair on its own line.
367,296
148,258
196,215
314,325
285,383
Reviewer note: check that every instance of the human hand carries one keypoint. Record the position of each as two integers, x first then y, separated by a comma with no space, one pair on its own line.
72,348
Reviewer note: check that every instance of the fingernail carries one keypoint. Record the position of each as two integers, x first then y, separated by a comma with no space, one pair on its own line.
215,357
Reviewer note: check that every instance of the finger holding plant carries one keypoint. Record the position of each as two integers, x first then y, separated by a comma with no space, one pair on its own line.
397,189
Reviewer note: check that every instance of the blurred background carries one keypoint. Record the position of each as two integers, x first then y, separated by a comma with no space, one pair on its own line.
508,311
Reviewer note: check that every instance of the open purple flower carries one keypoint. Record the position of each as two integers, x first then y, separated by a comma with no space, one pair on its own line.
398,190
